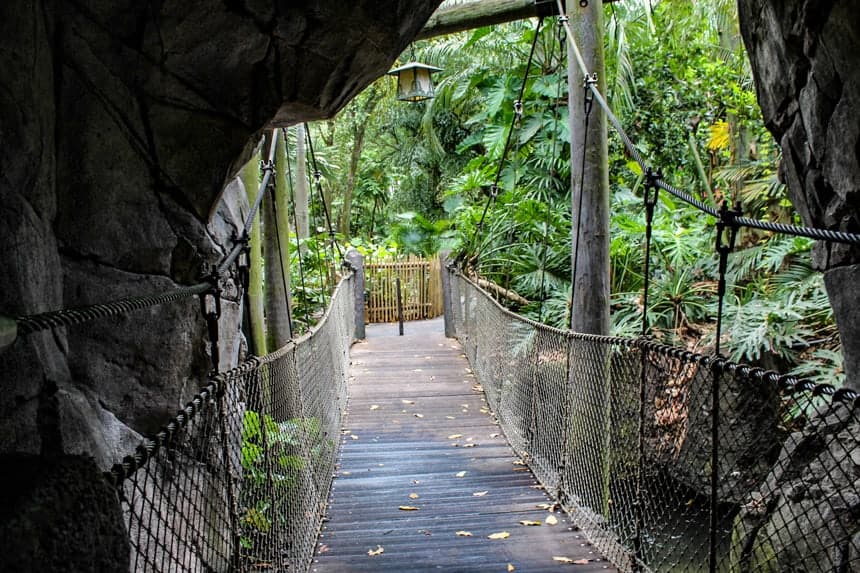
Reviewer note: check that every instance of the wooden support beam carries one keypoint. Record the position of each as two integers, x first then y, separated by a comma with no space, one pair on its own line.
471,15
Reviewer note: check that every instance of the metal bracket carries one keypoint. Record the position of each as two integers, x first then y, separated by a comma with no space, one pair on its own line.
8,332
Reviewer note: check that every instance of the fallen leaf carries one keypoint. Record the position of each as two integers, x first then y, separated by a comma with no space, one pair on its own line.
346,473
546,506
573,561
469,445
460,474
527,522
424,531
499,535
378,551
551,520
323,548
480,493
374,407
408,401
494,435
465,405
353,436
464,533
413,496
450,417
416,482
417,370
417,415
455,436
478,388
484,411
408,508
511,567
519,463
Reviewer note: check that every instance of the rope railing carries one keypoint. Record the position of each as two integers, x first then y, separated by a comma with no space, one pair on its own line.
29,324
618,430
781,228
238,478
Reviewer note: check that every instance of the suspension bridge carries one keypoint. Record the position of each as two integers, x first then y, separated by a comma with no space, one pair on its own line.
489,441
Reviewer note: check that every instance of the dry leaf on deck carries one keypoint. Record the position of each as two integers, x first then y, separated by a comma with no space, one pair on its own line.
353,436
460,474
419,415
378,551
527,522
480,493
499,535
511,567
464,534
375,407
455,436
408,508
551,520
408,401
413,496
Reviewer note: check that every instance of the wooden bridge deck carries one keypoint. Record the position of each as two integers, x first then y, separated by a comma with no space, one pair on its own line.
419,434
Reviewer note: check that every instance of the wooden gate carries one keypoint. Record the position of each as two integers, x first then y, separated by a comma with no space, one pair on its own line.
420,287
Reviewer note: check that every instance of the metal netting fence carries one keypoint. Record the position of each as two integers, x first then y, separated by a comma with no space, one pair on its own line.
620,431
238,480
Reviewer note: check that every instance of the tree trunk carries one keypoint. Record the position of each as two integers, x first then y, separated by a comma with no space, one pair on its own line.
588,365
251,180
302,217
276,254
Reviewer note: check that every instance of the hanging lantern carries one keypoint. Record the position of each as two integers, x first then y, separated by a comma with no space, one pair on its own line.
414,82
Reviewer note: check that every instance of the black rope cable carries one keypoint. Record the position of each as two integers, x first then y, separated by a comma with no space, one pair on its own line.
577,234
518,106
28,324
323,273
727,222
296,222
318,179
548,212
781,228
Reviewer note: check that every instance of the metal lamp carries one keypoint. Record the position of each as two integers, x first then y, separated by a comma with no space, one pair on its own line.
414,82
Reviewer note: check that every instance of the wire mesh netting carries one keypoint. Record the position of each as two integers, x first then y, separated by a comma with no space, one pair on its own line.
621,432
238,480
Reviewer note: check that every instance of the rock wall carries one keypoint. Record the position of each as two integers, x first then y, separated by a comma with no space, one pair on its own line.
804,55
121,123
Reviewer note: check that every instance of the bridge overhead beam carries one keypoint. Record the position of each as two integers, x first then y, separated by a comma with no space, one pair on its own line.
480,13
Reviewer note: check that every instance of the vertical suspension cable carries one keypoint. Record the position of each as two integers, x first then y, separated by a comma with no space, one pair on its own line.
315,174
296,222
726,222
318,178
650,199
548,212
589,100
494,188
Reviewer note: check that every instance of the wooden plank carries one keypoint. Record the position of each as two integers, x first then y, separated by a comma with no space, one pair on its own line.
410,397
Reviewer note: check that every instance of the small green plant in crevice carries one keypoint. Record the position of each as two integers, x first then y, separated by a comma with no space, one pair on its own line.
274,455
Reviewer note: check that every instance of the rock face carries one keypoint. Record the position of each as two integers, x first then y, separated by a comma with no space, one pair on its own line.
121,123
804,56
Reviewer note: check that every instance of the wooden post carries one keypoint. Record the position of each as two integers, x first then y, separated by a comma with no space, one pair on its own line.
590,228
399,307
588,367
447,303
356,260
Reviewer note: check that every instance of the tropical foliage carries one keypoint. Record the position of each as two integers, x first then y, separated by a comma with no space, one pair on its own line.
679,81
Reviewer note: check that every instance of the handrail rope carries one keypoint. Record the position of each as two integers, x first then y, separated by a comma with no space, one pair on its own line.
518,110
815,233
790,383
296,223
28,324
